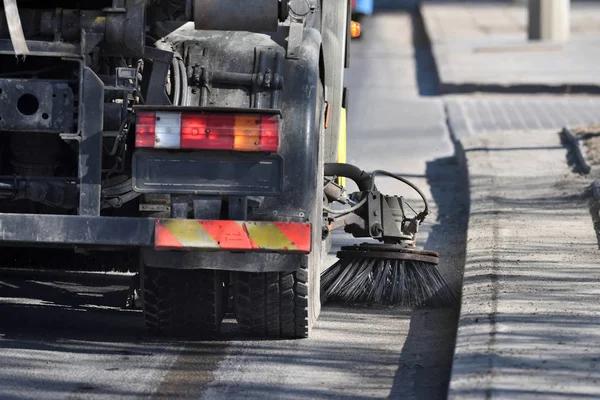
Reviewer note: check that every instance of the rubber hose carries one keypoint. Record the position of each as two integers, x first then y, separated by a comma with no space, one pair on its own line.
363,180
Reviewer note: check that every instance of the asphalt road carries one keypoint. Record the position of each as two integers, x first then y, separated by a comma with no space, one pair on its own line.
69,337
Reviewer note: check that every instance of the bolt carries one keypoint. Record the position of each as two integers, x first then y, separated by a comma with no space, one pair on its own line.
324,233
376,229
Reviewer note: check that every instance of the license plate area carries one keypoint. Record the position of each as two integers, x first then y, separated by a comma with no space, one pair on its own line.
207,174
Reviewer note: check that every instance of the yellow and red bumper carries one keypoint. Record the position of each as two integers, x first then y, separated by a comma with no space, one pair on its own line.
185,234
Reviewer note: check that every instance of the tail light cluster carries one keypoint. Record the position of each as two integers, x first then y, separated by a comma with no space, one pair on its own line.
218,131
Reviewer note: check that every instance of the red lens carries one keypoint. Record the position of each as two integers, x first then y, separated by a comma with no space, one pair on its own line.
145,129
193,130
269,133
212,132
221,133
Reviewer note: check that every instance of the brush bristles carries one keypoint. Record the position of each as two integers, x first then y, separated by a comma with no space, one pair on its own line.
399,282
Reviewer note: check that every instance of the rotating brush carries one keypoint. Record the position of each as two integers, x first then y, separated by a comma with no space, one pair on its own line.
390,272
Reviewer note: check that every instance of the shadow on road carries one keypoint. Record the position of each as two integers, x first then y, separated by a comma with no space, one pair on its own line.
82,307
69,335
426,358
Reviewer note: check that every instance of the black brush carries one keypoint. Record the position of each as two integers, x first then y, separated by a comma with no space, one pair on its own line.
387,274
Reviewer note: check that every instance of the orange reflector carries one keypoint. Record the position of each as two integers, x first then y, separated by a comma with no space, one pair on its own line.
186,234
246,133
354,29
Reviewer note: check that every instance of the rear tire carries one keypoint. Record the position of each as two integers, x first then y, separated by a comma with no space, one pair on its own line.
274,304
286,304
183,303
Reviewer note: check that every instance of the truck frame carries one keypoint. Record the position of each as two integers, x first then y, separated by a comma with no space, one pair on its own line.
192,134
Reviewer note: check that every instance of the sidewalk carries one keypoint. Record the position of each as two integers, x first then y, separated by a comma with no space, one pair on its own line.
530,319
483,45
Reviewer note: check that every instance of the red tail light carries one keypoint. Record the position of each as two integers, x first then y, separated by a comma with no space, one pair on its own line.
145,133
239,132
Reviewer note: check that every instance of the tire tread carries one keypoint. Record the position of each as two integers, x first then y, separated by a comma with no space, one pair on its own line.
183,303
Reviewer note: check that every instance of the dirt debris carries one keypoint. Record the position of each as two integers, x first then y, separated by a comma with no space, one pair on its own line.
590,135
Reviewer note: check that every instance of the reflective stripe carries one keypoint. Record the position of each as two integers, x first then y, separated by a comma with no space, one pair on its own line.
189,234
341,156
232,235
164,239
298,237
269,236
229,235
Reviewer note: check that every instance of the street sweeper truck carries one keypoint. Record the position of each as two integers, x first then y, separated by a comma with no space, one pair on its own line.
197,142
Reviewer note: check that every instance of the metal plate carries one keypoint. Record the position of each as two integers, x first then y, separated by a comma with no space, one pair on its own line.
236,15
36,106
68,230
207,174
190,234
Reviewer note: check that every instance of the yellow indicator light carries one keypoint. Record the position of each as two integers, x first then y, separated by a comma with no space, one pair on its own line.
247,133
354,29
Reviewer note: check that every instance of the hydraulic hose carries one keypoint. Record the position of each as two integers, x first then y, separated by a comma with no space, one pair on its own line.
366,181
346,210
363,180
421,215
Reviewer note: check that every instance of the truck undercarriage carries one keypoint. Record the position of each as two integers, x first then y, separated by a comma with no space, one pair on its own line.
194,137
190,133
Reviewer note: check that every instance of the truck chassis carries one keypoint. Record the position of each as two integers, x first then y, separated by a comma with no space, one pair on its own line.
193,133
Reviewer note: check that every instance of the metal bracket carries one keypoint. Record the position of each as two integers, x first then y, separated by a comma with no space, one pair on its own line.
156,71
207,207
265,81
238,208
36,105
374,215
295,40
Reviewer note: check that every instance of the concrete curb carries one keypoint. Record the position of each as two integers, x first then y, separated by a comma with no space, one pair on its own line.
595,208
575,146
529,323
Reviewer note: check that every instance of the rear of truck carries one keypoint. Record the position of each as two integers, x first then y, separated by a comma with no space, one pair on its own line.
190,133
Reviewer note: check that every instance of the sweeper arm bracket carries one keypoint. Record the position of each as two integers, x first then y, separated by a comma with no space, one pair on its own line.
372,214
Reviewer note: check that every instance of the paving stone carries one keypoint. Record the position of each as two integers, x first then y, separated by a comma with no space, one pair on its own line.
529,323
479,115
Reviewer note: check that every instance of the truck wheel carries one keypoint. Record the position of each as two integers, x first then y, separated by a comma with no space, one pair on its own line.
273,304
286,304
187,303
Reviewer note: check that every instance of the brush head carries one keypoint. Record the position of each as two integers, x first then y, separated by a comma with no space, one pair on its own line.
387,274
